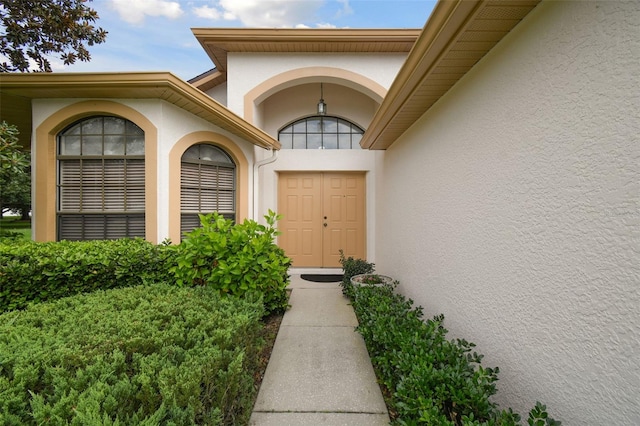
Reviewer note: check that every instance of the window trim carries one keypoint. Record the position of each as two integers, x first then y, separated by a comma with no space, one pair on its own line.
242,175
44,168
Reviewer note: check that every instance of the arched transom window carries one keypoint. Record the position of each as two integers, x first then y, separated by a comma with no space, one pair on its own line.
207,185
321,132
101,180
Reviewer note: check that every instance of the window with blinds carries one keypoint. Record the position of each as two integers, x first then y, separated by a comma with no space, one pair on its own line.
207,185
101,180
321,132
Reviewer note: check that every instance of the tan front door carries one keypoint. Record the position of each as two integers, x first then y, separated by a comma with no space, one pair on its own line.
322,214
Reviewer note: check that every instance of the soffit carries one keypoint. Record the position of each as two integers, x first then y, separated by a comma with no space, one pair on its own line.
458,34
217,42
208,79
156,85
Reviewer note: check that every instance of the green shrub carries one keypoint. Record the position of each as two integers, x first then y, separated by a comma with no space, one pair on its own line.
38,272
240,260
10,236
151,354
352,267
432,380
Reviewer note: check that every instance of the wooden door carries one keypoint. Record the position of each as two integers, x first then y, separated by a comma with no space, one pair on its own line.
322,213
343,217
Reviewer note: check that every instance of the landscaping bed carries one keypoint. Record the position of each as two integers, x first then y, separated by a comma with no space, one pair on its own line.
155,334
426,378
155,353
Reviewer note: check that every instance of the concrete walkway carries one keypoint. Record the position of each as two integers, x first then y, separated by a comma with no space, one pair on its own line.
319,372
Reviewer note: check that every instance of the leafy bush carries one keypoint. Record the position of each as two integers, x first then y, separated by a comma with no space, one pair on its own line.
10,236
352,267
37,272
433,381
240,259
151,354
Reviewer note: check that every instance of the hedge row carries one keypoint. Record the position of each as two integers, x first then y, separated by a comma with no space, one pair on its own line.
151,354
432,380
37,272
236,259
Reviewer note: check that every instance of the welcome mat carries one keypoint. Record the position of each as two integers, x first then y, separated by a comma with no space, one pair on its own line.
322,278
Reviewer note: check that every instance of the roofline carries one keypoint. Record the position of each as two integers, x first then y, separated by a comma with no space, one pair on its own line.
146,85
448,21
217,42
306,34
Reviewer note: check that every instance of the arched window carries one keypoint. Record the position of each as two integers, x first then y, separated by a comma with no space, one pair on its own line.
207,185
321,132
101,180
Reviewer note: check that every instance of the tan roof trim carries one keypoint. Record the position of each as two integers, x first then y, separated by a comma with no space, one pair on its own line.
458,34
208,80
143,85
218,41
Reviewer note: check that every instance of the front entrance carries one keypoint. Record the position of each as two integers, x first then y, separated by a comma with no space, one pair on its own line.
323,212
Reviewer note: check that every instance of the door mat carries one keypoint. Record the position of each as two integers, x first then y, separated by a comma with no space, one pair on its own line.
322,278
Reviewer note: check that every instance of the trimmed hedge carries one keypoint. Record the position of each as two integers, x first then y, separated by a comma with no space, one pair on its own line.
432,380
154,354
38,272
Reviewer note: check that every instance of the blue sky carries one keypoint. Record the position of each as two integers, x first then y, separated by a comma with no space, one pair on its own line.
155,35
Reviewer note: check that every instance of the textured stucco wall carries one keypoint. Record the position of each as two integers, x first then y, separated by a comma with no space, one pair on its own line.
248,70
219,93
301,101
513,207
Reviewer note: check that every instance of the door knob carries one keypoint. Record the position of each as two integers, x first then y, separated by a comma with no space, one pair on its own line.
325,225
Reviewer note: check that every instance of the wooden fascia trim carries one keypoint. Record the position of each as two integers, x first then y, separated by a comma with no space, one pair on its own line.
445,22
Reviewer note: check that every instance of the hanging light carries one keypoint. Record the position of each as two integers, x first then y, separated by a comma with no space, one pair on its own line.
322,107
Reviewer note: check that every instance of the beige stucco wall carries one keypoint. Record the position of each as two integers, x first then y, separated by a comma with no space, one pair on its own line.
513,207
219,93
300,101
248,70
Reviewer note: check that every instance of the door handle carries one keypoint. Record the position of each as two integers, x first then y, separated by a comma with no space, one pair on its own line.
325,225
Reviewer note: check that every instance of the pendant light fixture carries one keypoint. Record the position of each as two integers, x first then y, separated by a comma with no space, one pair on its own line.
322,107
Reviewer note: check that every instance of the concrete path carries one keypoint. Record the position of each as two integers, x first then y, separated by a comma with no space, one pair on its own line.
319,372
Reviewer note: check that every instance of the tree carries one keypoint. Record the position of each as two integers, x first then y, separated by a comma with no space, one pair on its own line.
36,29
15,193
15,177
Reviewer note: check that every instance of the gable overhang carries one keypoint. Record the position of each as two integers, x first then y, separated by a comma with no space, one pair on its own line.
456,36
208,80
218,42
18,90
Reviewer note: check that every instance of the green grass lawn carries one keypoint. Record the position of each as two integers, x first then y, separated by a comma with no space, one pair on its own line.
14,224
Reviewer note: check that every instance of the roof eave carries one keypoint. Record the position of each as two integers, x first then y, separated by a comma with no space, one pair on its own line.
434,66
217,42
150,85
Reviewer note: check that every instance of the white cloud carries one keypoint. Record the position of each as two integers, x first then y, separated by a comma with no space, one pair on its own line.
346,9
134,11
325,25
207,12
263,13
